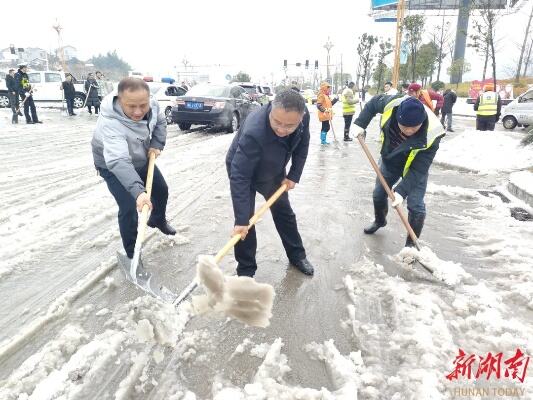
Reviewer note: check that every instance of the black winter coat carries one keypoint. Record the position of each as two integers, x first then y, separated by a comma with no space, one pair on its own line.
91,88
449,100
68,89
11,84
395,158
257,154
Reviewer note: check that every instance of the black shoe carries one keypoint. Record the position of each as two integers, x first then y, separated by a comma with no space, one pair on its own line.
450,130
29,122
304,266
38,122
380,220
20,114
73,114
163,226
348,139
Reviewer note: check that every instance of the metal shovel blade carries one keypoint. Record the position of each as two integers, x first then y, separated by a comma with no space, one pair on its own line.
144,279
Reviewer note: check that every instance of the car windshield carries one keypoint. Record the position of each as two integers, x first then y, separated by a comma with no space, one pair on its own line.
266,89
154,89
209,91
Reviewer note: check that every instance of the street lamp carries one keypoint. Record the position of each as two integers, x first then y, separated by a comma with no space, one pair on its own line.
328,47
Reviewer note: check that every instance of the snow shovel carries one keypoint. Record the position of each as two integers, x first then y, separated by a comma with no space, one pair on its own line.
233,241
22,104
332,128
134,270
391,196
87,95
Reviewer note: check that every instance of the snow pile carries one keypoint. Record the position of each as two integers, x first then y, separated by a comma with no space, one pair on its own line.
410,333
269,380
484,152
449,272
523,180
238,297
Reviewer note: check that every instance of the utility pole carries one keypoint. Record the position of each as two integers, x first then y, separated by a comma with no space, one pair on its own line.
400,12
58,28
328,47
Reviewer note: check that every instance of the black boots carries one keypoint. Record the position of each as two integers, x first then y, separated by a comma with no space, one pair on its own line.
416,220
304,266
380,213
163,226
347,137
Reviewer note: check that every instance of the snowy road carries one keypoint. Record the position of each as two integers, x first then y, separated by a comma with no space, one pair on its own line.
364,326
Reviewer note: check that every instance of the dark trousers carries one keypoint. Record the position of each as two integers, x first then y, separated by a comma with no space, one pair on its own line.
325,126
70,105
285,221
415,199
29,105
347,122
96,109
14,103
127,207
485,122
446,118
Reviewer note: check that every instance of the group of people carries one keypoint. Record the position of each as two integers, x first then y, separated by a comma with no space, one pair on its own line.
95,90
257,159
20,93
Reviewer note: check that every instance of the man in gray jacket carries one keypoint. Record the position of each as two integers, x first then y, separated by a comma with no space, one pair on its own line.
129,128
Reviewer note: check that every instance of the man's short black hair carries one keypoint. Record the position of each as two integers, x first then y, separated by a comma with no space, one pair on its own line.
289,100
132,84
405,85
11,70
351,84
388,83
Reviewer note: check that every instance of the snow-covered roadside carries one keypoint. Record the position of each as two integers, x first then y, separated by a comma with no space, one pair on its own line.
485,152
521,185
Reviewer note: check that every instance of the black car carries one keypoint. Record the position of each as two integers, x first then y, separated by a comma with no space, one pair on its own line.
223,106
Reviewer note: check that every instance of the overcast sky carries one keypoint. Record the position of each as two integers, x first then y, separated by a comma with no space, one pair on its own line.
155,36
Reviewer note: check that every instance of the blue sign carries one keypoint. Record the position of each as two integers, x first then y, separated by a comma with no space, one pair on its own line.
383,3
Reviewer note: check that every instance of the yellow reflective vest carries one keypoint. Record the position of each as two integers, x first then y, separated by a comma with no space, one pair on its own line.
349,101
488,104
435,129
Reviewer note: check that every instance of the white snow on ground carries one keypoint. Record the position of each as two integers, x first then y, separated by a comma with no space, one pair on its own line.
269,381
523,179
69,365
485,152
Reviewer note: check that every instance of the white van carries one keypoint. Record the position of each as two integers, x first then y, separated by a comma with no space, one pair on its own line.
519,111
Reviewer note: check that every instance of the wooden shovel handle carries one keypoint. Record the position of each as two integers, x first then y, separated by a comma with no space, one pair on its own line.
389,192
144,212
235,238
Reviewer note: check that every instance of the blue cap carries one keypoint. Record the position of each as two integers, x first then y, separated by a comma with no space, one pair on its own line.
411,112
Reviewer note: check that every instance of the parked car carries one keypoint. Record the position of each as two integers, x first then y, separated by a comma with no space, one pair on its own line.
47,87
267,91
255,92
224,106
309,95
519,111
165,95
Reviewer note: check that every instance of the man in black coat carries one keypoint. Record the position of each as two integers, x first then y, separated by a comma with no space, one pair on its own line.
449,100
25,92
11,85
256,162
69,92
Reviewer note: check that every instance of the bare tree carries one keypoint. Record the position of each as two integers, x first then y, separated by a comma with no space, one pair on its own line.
366,59
413,26
524,45
442,39
528,58
480,43
385,48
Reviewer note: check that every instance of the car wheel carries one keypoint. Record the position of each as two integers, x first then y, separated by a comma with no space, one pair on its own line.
234,123
184,126
4,101
509,122
78,101
168,115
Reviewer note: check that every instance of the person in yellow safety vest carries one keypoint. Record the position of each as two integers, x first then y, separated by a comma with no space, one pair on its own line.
324,105
349,100
488,107
410,137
